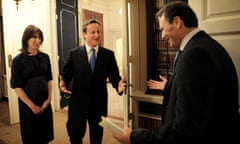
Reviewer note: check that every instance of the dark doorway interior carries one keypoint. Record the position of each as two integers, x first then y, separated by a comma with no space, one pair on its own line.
67,31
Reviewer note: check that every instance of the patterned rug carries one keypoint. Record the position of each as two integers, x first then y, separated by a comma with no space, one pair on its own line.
2,142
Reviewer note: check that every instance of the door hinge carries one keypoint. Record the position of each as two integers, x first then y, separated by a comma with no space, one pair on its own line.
130,116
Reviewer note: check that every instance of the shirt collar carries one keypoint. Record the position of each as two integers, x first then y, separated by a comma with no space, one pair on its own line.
188,37
89,48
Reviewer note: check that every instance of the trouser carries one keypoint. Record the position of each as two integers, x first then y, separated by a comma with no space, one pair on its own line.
77,128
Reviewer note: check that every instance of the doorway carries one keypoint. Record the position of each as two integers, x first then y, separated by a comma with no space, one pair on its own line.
3,83
110,18
15,19
42,9
67,34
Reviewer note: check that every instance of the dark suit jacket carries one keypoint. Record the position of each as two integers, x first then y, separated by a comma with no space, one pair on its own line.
89,90
200,100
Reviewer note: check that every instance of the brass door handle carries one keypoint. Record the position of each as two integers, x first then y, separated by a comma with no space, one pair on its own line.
10,60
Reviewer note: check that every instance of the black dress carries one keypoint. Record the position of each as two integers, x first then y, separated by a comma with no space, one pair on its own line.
32,73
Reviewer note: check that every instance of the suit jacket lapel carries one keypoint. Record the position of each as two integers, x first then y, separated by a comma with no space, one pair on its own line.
99,59
166,93
84,58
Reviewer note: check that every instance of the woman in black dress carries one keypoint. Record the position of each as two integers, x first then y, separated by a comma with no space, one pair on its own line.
31,78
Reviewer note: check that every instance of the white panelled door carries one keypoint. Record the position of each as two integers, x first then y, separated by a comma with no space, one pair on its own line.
14,22
221,20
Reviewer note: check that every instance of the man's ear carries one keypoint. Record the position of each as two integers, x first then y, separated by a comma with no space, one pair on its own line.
177,22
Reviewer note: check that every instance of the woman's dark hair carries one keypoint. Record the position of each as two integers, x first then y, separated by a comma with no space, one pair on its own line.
28,33
90,21
181,9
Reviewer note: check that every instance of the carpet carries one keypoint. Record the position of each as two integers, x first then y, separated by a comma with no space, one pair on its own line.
2,142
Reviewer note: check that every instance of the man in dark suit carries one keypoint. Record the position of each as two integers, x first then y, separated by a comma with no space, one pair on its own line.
88,100
201,98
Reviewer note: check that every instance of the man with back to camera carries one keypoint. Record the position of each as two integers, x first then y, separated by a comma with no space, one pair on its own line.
201,98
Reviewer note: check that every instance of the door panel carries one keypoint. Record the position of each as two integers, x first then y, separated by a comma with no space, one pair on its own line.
67,31
67,28
221,20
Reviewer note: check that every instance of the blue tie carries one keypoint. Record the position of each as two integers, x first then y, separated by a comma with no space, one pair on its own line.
92,59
